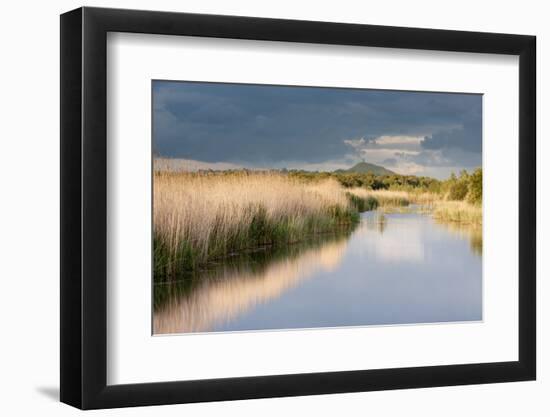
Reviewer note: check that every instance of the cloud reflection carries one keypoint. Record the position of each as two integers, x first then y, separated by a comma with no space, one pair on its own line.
391,244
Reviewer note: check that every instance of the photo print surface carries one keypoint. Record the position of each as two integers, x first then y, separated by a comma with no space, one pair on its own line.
291,207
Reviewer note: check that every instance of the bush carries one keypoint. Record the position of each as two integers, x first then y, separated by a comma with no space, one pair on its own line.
458,190
466,187
475,193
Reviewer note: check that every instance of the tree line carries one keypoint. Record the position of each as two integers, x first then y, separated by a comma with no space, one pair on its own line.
462,187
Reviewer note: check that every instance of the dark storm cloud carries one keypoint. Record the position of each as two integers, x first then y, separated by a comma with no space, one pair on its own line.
271,124
466,137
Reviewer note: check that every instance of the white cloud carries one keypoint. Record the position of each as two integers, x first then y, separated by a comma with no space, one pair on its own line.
404,154
356,143
397,140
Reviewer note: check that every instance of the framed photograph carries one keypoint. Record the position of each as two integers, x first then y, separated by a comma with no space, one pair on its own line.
258,208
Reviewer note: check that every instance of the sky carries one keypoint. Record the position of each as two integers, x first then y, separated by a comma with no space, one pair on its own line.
222,125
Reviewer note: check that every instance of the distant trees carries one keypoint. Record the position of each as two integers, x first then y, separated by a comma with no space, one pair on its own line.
464,187
372,181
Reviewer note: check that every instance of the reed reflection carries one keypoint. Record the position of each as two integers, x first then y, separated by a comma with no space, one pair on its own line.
216,296
392,268
474,233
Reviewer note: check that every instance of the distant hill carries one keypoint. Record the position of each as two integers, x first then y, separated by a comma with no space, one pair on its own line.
365,168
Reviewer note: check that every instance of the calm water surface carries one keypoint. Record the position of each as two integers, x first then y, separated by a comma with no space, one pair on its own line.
392,269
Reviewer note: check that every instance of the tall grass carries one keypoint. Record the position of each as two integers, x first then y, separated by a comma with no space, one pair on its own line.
458,212
394,198
462,212
199,217
387,198
361,199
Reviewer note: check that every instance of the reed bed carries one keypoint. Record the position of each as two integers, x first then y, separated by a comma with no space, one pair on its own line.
391,201
391,198
458,212
395,198
388,198
423,198
209,215
203,216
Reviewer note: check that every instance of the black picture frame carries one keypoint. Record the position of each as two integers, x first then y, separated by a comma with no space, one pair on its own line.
84,207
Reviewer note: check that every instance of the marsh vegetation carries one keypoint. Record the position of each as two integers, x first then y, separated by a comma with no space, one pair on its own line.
208,216
203,217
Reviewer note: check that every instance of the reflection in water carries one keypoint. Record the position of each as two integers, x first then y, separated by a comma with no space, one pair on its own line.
376,222
404,244
394,268
471,232
227,291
